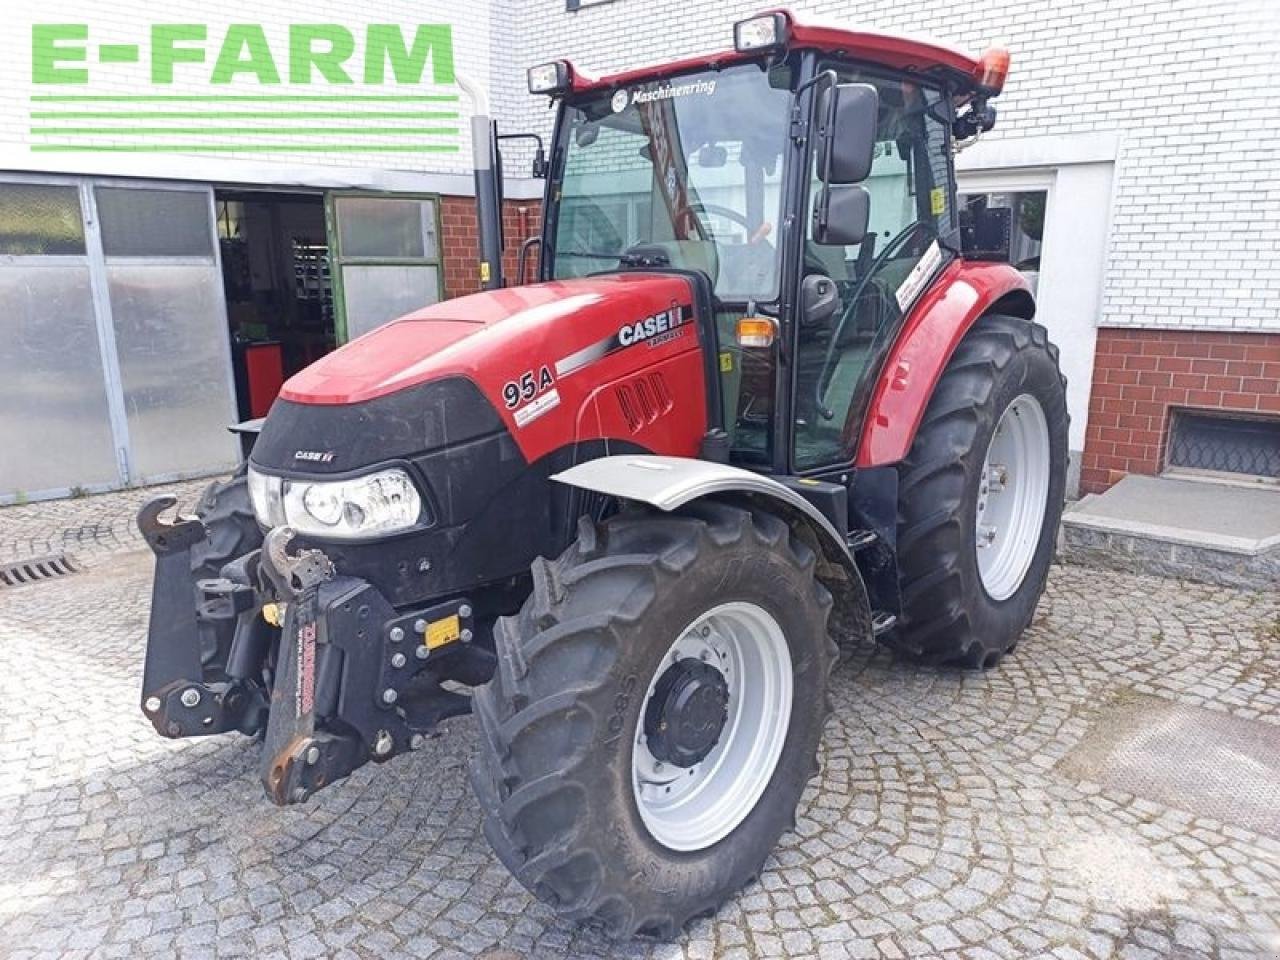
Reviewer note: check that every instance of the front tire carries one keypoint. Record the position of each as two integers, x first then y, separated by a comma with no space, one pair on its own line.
231,528
618,631
980,496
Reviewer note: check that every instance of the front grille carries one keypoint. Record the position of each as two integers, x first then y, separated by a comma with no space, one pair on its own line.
1226,444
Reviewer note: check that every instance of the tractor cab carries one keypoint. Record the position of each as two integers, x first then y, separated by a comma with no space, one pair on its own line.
806,178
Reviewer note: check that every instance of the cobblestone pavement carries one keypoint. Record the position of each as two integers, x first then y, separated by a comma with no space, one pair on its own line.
944,822
83,526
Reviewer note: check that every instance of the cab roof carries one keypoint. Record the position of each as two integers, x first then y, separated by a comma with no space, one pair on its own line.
896,51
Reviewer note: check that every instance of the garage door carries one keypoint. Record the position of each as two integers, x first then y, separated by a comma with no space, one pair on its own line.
114,361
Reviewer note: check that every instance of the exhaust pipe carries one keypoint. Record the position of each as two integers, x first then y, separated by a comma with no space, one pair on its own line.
487,169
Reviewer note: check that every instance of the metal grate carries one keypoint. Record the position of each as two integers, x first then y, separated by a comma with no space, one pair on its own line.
37,568
1226,444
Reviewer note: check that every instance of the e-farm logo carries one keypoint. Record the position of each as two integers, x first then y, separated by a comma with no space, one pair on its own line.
311,88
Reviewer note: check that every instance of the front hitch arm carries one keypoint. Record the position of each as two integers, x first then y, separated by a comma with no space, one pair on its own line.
173,604
173,646
292,752
179,696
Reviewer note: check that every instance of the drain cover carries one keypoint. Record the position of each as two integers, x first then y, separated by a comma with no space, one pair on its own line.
1208,763
37,568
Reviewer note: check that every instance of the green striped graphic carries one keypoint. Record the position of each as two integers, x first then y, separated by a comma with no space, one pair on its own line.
243,98
239,115
246,147
243,131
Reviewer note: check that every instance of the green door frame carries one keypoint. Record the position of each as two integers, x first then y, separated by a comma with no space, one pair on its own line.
337,261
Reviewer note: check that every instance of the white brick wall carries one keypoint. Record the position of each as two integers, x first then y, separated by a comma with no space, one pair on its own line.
1190,86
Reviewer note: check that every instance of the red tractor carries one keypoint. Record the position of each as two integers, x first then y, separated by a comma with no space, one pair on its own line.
771,392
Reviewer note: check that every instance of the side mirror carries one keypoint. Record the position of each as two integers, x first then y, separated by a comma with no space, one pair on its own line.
847,117
841,215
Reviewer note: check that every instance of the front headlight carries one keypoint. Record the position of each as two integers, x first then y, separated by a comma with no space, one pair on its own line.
355,509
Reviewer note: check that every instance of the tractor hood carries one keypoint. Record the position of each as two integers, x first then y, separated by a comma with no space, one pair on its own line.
531,363
491,338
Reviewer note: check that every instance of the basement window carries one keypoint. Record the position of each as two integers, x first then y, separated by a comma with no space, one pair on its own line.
1215,443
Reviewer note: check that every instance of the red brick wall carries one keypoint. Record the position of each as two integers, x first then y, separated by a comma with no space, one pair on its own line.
1140,376
460,244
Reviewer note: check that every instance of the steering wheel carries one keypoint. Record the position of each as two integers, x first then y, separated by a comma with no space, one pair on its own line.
728,214
889,250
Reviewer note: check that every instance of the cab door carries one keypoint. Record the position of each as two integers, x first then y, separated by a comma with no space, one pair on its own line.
878,280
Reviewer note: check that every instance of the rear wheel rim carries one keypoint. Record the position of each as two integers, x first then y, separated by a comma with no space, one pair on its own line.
1013,492
692,808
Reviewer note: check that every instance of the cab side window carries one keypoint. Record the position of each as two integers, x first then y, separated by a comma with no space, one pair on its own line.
910,209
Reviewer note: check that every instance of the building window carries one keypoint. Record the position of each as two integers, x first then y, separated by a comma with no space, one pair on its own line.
1245,446
40,220
1012,227
154,223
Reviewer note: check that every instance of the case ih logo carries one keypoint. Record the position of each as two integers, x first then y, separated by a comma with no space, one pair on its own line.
653,328
315,456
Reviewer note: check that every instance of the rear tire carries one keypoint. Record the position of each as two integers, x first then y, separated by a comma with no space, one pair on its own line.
562,721
232,530
958,607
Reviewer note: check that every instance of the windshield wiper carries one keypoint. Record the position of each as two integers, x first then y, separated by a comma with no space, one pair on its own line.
589,254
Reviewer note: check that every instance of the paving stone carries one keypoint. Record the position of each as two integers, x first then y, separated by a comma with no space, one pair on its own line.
943,819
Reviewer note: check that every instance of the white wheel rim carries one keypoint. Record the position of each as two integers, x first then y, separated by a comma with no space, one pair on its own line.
691,808
1013,492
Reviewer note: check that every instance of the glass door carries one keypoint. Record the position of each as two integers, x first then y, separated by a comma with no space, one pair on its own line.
386,253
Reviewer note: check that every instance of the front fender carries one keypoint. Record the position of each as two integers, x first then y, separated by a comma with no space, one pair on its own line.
965,291
668,483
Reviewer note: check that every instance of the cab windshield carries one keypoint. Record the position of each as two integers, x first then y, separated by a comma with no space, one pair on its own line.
685,172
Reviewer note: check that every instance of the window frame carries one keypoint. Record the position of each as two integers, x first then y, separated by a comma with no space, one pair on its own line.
337,260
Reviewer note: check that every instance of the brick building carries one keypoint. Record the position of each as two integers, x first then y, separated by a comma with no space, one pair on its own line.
1136,147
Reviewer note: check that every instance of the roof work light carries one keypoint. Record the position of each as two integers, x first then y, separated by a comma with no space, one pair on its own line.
766,32
551,78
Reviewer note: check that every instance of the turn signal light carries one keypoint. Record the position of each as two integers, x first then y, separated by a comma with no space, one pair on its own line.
993,67
757,331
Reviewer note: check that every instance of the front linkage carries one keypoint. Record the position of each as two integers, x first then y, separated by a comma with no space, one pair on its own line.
280,645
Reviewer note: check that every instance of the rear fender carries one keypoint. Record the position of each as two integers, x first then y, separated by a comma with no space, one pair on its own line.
965,291
669,483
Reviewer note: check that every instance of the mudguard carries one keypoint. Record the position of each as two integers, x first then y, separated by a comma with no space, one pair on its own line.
670,482
964,292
